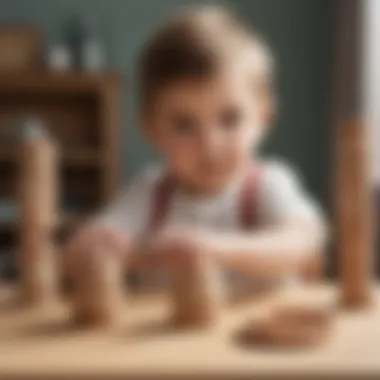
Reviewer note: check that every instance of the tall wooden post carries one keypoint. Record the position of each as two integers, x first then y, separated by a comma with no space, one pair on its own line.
354,216
38,193
352,186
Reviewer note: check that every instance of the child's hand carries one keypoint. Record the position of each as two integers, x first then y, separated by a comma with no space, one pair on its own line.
176,247
93,240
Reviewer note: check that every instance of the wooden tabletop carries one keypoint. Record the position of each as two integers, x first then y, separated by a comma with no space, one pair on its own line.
43,344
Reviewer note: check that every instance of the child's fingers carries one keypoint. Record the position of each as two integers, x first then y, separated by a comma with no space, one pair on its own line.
100,242
114,240
81,239
166,249
82,244
168,259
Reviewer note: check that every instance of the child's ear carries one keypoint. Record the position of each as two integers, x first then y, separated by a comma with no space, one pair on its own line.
268,110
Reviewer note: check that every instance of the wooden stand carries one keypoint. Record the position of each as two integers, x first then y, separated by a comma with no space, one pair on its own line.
353,215
98,290
197,295
38,193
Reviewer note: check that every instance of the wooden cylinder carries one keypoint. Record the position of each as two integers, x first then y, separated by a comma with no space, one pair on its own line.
98,289
37,213
198,295
354,217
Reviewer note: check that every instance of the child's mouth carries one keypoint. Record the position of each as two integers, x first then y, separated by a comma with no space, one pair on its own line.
209,168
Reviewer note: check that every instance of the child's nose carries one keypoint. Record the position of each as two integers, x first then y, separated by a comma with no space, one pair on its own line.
211,142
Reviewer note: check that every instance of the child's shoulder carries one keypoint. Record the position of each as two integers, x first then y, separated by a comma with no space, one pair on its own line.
278,172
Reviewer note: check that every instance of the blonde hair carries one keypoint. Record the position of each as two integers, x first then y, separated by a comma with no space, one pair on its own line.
195,44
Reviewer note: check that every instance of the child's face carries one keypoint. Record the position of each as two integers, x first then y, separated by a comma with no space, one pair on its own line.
207,130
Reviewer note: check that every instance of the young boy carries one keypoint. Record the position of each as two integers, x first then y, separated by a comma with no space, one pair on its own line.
206,106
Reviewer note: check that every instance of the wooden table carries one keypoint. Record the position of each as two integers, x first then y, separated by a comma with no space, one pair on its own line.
43,344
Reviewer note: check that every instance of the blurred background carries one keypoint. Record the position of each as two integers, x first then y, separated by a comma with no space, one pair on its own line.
67,71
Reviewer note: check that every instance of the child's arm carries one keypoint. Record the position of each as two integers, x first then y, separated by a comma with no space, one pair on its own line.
293,233
294,229
115,227
272,251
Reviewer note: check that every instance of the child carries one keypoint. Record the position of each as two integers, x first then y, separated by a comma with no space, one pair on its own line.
206,106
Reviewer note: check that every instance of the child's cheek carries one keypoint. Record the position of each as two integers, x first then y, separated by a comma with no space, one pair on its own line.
245,142
238,152
180,153
253,137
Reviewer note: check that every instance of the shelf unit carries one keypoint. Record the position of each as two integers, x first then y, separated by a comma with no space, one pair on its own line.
81,112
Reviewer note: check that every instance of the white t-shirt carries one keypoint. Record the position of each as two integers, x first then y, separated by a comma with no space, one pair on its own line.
280,197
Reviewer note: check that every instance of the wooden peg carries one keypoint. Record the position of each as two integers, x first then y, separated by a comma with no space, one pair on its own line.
198,295
354,218
98,289
37,214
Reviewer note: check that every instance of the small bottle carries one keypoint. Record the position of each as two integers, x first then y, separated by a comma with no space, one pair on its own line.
60,58
37,214
86,44
92,54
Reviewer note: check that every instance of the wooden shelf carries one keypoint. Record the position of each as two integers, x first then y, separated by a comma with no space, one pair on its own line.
55,82
81,111
81,156
70,219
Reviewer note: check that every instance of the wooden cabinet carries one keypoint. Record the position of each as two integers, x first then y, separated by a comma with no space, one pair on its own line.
81,113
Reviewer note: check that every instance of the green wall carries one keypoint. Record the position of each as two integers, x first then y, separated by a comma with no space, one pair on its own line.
298,30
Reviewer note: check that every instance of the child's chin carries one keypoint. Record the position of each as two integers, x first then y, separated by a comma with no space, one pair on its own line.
212,184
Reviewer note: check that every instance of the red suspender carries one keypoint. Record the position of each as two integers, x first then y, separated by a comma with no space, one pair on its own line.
247,201
162,197
248,198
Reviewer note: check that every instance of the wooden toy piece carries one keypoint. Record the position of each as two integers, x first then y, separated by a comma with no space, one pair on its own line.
299,325
197,295
354,217
37,206
290,326
98,289
303,315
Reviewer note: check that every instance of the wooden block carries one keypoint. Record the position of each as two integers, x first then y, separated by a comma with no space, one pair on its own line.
294,325
300,332
317,314
98,289
197,295
296,334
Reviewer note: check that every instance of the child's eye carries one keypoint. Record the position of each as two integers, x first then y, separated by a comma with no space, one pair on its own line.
183,124
230,118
